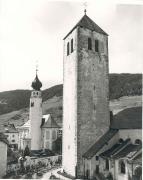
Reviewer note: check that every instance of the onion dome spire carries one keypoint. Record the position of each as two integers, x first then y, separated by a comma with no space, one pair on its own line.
36,84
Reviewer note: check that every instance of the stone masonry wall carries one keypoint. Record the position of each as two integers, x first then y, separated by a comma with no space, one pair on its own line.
93,92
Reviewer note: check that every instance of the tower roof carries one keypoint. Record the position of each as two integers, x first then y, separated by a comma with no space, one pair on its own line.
88,23
36,84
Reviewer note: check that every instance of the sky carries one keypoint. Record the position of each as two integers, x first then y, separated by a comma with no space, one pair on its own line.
32,31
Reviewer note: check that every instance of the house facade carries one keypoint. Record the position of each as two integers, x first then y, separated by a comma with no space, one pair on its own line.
10,131
3,157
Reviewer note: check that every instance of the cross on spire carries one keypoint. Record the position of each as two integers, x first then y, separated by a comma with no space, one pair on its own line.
36,67
85,7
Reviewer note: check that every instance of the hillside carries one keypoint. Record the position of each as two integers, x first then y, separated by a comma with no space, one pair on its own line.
119,85
124,85
53,106
14,105
19,99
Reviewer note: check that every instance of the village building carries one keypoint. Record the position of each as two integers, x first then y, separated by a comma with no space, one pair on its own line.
3,157
10,131
118,153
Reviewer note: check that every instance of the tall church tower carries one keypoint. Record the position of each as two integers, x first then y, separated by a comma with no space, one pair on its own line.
85,92
36,114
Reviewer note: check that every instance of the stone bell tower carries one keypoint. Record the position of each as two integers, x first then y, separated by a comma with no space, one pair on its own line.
85,92
35,114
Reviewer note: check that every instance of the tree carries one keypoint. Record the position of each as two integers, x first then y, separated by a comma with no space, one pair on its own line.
27,151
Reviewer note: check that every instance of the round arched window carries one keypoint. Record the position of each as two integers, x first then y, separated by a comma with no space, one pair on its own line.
138,141
122,167
121,140
138,171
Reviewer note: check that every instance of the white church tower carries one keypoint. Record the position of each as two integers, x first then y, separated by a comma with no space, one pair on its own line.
35,114
85,92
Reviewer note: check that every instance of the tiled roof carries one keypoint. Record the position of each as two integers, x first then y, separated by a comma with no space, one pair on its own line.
114,149
130,118
137,159
46,122
3,138
26,125
129,151
100,143
49,123
86,22
10,128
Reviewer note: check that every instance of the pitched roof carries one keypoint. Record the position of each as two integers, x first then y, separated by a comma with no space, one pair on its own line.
130,118
138,158
9,128
25,125
88,23
49,123
46,122
129,151
3,138
100,143
114,149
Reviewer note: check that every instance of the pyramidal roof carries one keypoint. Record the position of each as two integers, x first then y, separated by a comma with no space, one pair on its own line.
88,23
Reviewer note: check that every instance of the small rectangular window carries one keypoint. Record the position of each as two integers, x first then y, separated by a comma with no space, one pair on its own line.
68,49
71,45
89,44
96,46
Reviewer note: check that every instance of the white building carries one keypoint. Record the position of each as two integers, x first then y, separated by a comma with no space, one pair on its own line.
24,136
11,133
3,154
49,130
